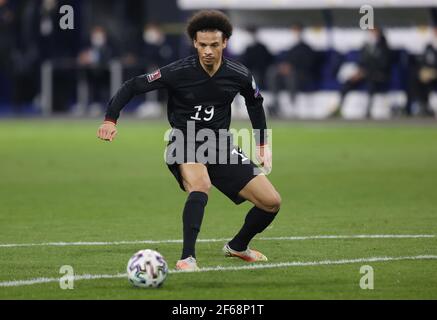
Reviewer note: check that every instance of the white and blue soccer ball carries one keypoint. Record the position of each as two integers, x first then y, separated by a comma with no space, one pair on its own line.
147,269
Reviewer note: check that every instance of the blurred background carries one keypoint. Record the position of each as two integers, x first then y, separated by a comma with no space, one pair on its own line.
371,169
310,58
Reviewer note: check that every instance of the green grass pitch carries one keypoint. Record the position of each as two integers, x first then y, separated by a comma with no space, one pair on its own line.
58,183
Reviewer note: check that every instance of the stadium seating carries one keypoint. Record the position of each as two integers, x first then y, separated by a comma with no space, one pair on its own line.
338,50
343,51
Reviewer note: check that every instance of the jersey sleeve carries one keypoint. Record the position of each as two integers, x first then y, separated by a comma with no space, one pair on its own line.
254,103
135,86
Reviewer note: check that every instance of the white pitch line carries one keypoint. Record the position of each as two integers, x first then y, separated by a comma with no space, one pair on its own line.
317,237
20,283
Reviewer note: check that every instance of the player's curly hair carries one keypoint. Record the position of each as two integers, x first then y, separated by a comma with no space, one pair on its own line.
209,20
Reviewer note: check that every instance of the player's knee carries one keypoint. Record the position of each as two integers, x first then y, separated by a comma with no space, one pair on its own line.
200,185
272,204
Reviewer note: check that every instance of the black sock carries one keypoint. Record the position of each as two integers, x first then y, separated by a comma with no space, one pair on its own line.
257,221
192,220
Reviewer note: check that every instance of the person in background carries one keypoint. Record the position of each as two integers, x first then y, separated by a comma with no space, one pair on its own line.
374,68
423,79
7,23
58,47
257,58
48,28
297,69
94,66
24,59
155,51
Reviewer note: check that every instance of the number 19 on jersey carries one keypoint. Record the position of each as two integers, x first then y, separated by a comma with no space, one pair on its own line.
203,113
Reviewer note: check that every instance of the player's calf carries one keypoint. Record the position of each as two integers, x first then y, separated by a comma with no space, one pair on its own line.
192,220
257,220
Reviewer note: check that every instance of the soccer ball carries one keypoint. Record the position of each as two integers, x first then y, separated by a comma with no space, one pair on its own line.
147,269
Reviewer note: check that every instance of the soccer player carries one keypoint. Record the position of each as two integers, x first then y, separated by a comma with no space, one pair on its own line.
201,89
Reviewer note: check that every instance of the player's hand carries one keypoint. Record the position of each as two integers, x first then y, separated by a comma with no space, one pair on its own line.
107,131
264,157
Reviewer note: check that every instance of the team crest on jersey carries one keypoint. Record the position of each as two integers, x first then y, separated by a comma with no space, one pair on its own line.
154,76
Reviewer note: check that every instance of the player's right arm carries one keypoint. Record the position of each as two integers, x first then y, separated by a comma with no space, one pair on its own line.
135,86
107,131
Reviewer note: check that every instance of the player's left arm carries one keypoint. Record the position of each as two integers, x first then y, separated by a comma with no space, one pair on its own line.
254,103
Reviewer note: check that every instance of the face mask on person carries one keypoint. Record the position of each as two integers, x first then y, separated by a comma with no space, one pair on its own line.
152,36
98,39
371,39
49,5
296,36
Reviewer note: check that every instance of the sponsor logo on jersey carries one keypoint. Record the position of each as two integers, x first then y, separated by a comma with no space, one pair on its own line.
154,76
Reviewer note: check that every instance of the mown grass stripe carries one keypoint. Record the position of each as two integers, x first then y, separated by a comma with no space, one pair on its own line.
20,283
295,238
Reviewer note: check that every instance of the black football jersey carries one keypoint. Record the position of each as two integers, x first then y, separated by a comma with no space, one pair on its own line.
194,95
